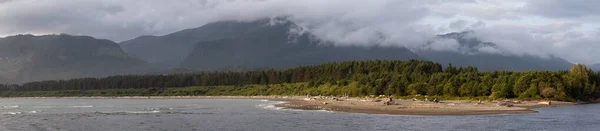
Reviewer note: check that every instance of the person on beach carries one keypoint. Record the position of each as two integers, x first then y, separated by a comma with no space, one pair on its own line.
389,100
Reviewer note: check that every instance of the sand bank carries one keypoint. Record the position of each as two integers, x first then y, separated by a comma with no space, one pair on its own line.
373,105
410,107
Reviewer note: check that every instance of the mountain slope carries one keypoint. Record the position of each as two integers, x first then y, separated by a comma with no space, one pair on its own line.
277,46
233,44
170,50
32,58
470,54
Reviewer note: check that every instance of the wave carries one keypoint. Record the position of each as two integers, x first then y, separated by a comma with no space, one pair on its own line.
326,111
82,106
161,108
128,112
11,106
11,113
43,106
142,112
271,106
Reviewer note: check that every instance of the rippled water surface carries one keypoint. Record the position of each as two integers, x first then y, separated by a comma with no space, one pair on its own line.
201,114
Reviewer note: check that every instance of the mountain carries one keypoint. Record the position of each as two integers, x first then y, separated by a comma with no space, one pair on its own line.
26,58
275,43
257,44
170,50
471,53
595,67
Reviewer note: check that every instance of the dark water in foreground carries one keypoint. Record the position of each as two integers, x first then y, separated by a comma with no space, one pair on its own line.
195,114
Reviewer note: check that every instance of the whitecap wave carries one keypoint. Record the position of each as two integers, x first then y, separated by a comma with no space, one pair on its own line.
142,112
11,106
11,113
128,112
43,106
32,112
161,108
271,106
82,106
325,111
264,100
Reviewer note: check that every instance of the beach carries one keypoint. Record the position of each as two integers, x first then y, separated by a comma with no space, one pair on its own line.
377,105
420,107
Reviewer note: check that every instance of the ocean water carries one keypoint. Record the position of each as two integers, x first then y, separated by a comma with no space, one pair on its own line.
259,115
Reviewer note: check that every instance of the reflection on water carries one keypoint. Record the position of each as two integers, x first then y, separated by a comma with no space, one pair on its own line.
199,114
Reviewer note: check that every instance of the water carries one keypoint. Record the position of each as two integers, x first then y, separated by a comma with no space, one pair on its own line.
197,114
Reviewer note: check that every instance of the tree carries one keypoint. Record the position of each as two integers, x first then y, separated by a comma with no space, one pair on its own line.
522,84
416,89
450,89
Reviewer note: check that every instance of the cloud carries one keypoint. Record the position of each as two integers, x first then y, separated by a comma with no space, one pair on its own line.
519,40
353,20
552,40
541,28
458,25
580,48
563,8
442,44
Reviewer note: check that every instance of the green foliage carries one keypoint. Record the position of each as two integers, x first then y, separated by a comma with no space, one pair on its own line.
399,78
417,88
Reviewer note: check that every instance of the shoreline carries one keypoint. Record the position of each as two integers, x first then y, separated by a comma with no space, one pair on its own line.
371,105
405,107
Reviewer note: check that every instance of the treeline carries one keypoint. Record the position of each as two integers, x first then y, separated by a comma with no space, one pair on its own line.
355,78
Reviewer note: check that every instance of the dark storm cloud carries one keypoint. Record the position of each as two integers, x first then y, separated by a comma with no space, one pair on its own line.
522,27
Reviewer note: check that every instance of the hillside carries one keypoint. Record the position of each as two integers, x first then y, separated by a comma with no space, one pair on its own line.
32,58
268,43
171,49
277,46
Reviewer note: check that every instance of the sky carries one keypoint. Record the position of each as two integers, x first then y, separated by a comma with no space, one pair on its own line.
569,29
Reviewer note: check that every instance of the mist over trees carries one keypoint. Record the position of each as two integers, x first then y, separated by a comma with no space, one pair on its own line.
354,78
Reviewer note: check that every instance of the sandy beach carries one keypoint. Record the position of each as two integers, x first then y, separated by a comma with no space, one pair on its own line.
419,107
376,105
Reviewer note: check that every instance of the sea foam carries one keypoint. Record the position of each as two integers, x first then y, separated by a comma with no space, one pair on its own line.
82,106
11,106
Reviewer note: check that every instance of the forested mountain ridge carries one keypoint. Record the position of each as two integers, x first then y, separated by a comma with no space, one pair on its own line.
233,44
226,45
471,52
26,58
355,78
279,45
